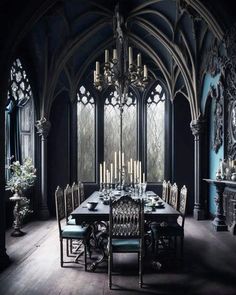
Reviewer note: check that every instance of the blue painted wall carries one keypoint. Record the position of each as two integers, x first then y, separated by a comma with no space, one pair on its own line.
213,157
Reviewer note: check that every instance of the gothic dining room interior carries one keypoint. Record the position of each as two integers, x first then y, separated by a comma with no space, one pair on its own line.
117,147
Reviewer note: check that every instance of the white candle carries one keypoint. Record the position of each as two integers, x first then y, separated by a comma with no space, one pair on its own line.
111,173
97,68
119,160
104,172
123,159
139,61
128,166
114,54
143,177
106,56
135,171
100,173
115,166
107,176
145,71
131,165
140,172
130,56
94,76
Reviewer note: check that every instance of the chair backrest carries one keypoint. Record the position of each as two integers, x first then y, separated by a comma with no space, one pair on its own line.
183,202
81,191
165,191
68,201
60,206
168,195
126,218
75,195
174,196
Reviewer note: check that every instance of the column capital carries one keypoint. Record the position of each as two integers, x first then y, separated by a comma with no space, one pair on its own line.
43,127
197,127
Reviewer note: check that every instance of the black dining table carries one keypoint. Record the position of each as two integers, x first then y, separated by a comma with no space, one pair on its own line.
163,213
101,212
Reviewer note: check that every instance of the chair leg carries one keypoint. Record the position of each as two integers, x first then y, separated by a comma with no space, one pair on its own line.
67,248
182,246
109,270
61,252
140,269
85,256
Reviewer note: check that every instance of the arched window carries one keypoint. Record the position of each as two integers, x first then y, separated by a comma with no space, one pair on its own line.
85,135
19,116
112,126
155,133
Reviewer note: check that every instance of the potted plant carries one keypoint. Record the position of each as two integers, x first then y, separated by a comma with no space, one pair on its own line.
22,176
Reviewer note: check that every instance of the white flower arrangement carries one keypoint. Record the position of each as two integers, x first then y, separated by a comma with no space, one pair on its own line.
21,176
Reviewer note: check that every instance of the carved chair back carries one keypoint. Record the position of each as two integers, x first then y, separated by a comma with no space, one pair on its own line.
81,191
165,191
174,196
68,201
75,195
126,218
183,203
60,206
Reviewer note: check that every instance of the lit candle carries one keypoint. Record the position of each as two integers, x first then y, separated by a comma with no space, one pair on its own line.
139,61
119,160
115,166
108,180
97,68
130,56
104,172
114,54
123,159
144,71
106,56
140,172
128,166
100,173
111,173
94,76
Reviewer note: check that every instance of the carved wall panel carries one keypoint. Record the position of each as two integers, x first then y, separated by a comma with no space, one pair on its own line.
229,194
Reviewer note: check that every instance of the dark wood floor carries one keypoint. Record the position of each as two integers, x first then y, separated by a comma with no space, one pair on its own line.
210,266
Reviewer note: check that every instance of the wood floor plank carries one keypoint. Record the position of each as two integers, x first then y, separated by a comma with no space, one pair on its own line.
210,263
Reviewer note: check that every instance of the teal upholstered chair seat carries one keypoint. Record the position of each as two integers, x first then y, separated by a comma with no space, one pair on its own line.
74,231
125,245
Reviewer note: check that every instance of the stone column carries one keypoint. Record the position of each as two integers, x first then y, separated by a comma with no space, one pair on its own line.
197,127
43,128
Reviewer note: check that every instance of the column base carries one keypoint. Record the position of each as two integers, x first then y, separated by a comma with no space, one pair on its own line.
199,214
44,214
4,260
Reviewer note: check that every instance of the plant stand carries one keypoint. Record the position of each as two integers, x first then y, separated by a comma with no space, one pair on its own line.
17,221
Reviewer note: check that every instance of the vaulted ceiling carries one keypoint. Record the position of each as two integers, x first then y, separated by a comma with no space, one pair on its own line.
65,38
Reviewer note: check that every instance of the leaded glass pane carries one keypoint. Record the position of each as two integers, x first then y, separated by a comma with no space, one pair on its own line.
156,135
26,117
86,135
112,127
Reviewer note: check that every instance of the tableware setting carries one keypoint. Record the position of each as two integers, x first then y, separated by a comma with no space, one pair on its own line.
91,205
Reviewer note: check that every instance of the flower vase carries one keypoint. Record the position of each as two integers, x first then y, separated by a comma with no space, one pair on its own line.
17,219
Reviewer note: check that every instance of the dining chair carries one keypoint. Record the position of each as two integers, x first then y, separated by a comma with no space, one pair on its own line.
75,195
81,191
69,232
126,231
174,230
69,205
165,191
173,201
